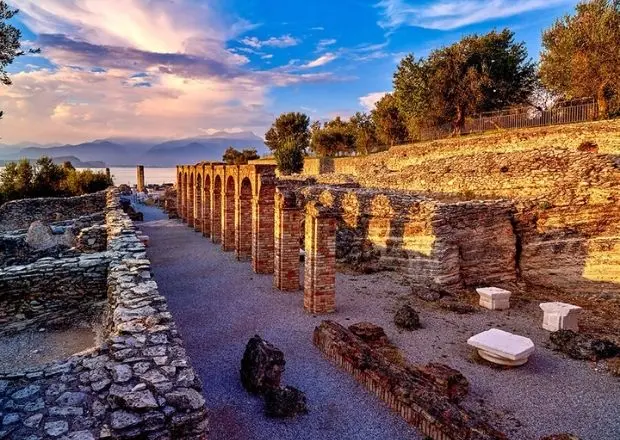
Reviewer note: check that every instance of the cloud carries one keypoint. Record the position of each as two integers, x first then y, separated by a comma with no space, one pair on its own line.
159,68
283,41
321,61
323,44
453,14
369,101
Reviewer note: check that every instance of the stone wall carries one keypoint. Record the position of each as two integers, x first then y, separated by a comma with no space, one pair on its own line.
51,292
449,243
567,216
19,214
138,384
314,166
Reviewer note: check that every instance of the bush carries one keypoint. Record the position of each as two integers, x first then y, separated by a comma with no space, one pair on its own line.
290,158
20,180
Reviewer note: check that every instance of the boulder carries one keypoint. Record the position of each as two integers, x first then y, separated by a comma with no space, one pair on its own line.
40,236
285,402
579,346
262,366
407,318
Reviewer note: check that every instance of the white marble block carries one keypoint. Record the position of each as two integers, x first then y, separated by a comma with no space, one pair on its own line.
560,316
494,298
502,348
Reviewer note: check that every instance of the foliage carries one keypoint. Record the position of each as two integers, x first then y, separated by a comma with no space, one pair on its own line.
335,138
290,158
10,45
479,73
289,128
365,132
233,156
581,54
22,179
391,129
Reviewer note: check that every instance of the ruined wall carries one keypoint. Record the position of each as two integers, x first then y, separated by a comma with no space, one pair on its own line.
53,292
18,214
459,243
314,166
567,201
138,383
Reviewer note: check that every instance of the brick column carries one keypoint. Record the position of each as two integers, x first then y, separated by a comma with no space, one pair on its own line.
216,211
207,208
183,190
320,262
262,235
179,196
190,201
287,230
243,224
228,218
198,204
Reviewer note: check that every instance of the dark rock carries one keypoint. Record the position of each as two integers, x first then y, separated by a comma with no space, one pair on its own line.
407,318
185,398
285,402
124,419
262,366
579,346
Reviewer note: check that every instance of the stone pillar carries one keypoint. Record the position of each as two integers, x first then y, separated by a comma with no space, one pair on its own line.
216,210
207,208
228,217
262,235
179,197
320,262
183,190
140,178
287,231
190,200
198,204
243,224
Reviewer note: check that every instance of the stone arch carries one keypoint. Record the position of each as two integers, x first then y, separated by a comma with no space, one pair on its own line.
206,228
198,204
243,229
216,221
228,218
190,200
179,193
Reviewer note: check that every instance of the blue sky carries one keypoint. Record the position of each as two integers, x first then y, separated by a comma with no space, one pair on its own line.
180,68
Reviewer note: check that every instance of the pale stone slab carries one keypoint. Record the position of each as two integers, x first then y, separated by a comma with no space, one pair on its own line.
494,298
560,316
502,347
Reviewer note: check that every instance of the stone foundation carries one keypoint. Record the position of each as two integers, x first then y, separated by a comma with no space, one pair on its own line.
421,395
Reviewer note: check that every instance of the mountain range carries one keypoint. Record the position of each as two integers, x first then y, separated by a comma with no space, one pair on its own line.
149,152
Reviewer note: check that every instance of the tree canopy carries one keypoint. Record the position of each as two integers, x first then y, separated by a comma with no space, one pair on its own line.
478,73
287,128
44,178
233,156
581,54
388,119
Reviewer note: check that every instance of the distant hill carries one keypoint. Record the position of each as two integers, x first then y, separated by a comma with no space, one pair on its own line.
77,163
150,152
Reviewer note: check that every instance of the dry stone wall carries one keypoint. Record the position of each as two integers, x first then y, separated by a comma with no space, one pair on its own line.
19,214
138,384
51,292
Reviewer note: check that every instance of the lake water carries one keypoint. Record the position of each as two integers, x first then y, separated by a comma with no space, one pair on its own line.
128,175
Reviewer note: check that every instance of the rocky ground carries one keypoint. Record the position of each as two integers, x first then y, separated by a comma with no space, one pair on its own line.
219,304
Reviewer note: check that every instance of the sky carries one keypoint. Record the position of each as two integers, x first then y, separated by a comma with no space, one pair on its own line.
183,68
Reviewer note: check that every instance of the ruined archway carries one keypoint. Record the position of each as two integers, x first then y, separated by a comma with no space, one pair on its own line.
179,194
198,205
206,228
228,219
190,200
216,218
243,236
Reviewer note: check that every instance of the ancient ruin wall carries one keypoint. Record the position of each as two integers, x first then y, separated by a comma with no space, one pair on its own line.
54,292
19,214
138,384
567,213
460,243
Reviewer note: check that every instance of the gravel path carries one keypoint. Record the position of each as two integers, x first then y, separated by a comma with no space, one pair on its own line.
220,303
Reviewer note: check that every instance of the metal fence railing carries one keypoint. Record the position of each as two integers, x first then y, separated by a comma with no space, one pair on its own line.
565,112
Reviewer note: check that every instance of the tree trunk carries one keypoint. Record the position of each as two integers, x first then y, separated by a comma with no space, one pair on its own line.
603,102
459,122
